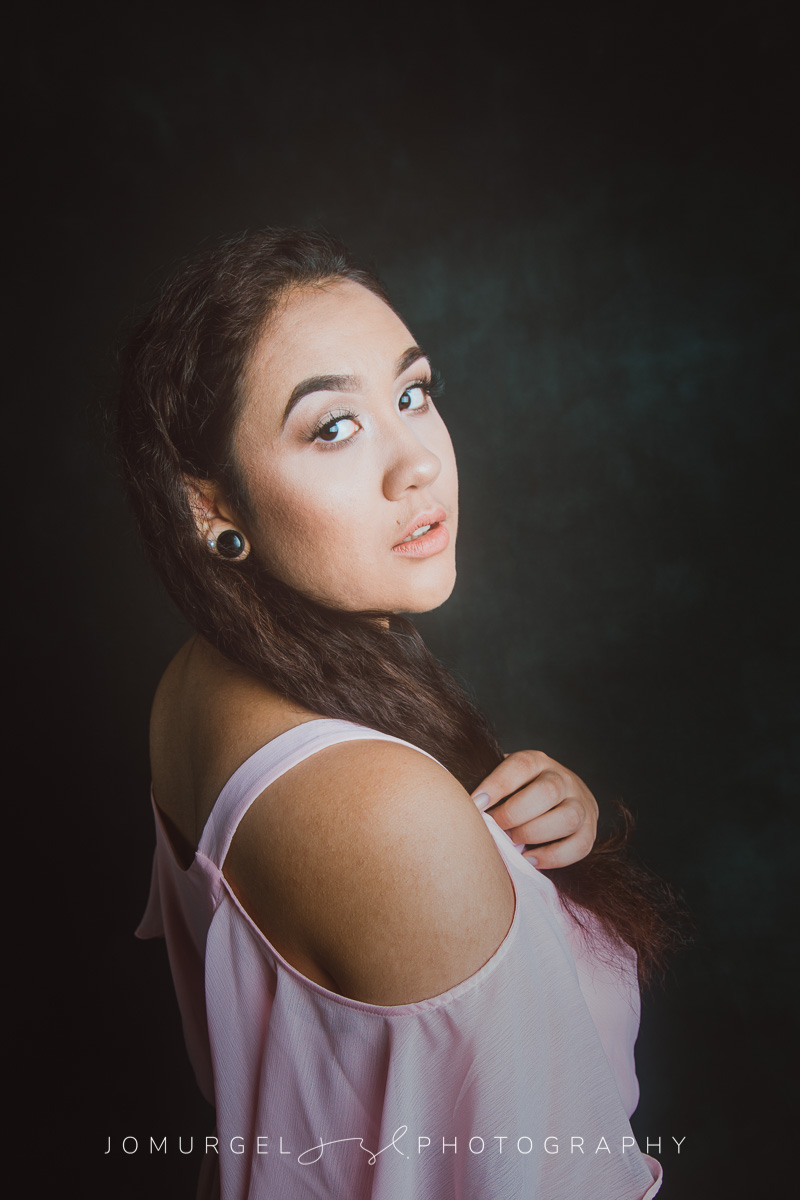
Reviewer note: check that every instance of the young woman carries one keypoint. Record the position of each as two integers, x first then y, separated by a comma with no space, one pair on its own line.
382,993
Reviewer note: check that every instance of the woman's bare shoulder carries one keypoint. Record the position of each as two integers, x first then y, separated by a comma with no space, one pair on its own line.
370,861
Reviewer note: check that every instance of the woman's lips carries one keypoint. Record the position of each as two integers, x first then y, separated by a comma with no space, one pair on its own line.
428,516
433,542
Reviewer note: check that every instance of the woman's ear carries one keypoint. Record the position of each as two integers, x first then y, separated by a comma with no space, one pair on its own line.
214,520
202,495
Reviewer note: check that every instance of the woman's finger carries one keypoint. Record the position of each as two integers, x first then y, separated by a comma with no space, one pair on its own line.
514,772
561,853
567,819
547,791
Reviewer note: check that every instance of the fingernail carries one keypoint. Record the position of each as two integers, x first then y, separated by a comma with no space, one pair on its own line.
482,800
531,859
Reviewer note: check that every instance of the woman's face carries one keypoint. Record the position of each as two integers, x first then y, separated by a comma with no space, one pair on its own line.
344,456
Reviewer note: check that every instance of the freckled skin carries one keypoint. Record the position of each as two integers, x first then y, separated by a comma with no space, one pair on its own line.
327,515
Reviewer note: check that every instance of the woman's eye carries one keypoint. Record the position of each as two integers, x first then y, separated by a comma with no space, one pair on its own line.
339,430
413,398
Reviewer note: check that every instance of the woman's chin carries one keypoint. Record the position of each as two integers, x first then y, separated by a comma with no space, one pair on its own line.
426,599
417,596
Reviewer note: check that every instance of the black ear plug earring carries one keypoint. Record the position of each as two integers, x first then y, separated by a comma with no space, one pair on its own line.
230,544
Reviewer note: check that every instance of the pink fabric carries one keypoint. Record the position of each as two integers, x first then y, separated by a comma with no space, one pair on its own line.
518,1082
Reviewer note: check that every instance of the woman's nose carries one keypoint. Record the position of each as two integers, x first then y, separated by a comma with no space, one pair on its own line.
411,465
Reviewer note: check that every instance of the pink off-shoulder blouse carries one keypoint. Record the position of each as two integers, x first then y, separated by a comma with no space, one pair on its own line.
517,1083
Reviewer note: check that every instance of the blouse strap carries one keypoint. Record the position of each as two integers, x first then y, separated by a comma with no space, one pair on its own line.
268,764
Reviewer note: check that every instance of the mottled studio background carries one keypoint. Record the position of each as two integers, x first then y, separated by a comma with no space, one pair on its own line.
588,216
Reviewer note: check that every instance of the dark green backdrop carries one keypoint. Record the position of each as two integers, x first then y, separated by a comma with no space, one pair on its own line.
587,215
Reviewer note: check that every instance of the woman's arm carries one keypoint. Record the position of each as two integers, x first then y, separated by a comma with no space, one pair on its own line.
550,804
370,861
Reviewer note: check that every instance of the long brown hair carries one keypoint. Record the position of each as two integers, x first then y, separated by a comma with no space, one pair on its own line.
181,395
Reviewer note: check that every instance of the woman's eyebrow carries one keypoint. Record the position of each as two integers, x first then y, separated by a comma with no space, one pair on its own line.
405,360
319,383
343,383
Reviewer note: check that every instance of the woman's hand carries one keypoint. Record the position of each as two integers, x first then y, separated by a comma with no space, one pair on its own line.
551,808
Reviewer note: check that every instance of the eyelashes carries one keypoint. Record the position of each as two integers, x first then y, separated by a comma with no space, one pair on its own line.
432,387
